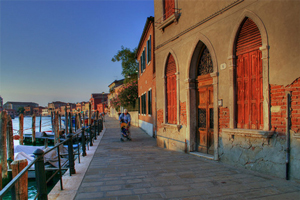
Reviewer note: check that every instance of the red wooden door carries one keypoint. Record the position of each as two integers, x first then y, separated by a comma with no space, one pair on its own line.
249,91
249,77
171,90
205,137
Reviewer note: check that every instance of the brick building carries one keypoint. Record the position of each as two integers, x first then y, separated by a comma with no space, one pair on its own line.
56,106
224,68
98,98
146,79
38,110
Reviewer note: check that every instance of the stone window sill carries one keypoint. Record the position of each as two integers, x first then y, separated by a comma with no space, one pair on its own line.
248,133
168,21
171,126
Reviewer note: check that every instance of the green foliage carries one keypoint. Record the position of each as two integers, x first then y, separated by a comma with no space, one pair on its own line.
127,97
21,110
129,94
129,63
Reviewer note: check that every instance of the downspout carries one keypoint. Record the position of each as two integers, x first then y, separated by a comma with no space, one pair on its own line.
288,120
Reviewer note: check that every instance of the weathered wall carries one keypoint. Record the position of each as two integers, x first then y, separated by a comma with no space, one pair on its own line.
281,47
134,118
267,155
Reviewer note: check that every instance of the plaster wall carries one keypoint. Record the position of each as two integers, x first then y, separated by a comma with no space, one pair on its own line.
279,24
147,127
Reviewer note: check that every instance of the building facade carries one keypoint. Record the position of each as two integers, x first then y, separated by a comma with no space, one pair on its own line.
114,88
56,106
224,68
146,79
98,98
38,110
16,105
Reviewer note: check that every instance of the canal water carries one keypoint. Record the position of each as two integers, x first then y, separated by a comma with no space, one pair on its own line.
27,126
46,126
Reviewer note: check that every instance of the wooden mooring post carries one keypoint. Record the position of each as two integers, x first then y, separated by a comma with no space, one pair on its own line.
71,124
66,121
21,186
33,130
10,142
55,126
59,121
90,113
40,123
21,128
3,147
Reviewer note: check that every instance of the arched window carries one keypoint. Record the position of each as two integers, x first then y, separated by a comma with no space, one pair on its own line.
171,90
249,93
205,65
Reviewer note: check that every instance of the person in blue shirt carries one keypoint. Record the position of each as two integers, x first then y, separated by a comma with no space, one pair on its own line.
125,118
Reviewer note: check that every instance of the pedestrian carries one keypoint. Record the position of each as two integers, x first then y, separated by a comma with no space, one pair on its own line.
125,117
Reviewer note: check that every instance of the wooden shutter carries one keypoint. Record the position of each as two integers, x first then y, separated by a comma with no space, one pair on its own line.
249,38
249,77
169,8
171,90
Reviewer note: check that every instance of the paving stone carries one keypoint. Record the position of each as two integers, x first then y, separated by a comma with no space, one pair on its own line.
118,193
138,169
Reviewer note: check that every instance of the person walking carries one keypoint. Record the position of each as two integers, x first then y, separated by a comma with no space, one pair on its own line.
125,118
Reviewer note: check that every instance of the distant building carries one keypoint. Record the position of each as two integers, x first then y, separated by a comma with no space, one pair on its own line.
102,107
98,98
28,110
70,107
11,112
17,105
112,93
55,105
45,112
38,110
78,107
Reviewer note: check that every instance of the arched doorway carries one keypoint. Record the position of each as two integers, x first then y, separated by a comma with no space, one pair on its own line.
171,91
205,103
249,79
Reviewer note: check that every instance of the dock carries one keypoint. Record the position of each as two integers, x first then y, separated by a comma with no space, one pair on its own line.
138,169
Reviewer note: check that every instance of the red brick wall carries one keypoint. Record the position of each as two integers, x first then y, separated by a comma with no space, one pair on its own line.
223,118
146,79
278,101
182,111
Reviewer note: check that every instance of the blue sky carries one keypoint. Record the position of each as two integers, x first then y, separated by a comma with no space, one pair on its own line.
61,50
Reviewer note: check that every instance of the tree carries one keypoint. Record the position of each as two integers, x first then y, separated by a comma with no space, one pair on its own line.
127,96
129,63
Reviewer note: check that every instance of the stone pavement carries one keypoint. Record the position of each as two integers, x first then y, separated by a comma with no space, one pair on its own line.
138,169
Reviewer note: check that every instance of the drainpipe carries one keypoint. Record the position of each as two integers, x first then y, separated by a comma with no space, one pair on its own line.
287,162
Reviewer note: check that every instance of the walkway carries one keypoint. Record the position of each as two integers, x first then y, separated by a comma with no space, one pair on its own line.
138,169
